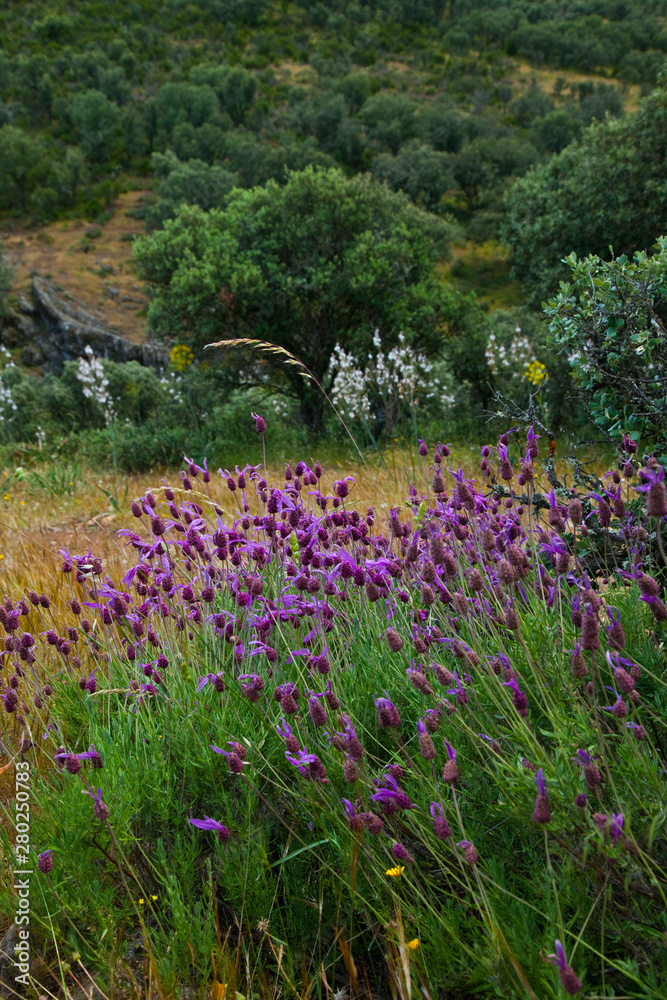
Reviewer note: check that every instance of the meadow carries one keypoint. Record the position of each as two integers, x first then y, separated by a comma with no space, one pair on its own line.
344,738
329,706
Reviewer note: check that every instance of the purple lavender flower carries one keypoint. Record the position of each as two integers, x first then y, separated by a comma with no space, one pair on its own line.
388,716
615,632
493,744
542,809
392,794
308,764
571,982
591,772
45,862
352,742
233,759
616,827
341,489
401,853
100,809
316,709
469,852
252,686
450,772
287,733
355,820
654,486
440,824
425,741
519,697
212,824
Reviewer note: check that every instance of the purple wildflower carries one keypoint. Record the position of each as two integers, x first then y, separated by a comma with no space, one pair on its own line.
654,486
571,982
233,759
469,852
440,824
388,716
392,794
45,862
616,827
519,697
212,824
100,809
355,820
542,810
450,771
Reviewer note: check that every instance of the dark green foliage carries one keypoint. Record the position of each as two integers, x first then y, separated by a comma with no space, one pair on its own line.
192,79
607,189
21,166
609,321
320,261
483,162
417,170
193,182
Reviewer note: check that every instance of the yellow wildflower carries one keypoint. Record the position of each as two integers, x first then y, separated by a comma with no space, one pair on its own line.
536,372
181,357
395,872
414,944
141,901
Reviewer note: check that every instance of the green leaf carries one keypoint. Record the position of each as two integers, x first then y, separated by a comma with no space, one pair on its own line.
300,850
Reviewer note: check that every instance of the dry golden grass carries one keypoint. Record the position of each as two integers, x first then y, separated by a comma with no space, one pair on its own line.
56,249
33,528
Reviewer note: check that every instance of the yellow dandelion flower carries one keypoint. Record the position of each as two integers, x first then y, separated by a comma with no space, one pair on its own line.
414,944
395,872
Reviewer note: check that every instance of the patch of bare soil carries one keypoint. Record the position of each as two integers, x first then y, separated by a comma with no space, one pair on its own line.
92,263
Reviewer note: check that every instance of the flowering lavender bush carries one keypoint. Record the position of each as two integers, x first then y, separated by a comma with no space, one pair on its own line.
423,747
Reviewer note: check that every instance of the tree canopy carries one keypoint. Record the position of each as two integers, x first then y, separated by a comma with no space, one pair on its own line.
324,259
609,188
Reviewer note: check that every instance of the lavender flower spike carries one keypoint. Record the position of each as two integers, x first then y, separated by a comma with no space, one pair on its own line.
616,827
355,820
440,824
100,809
569,979
388,716
542,809
393,794
212,824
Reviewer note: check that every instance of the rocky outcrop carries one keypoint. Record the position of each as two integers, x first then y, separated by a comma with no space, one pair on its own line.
57,329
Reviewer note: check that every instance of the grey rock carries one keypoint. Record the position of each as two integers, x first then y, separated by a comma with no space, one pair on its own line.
26,307
18,328
31,355
72,327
